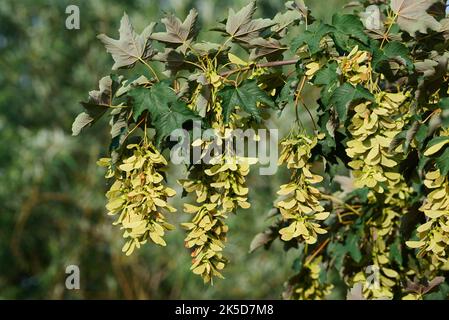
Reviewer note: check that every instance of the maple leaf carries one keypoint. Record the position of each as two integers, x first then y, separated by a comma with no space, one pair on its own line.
178,33
312,37
296,12
167,112
98,103
412,15
130,47
241,27
246,97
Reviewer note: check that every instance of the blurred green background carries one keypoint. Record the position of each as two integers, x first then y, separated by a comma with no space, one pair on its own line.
51,191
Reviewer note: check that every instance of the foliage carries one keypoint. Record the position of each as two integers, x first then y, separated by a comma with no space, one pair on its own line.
51,191
382,122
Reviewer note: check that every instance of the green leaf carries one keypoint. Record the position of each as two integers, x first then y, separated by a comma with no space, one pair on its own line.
298,263
338,252
130,47
441,294
395,252
328,78
348,26
412,15
442,163
246,97
393,50
174,116
344,95
166,110
241,27
422,134
178,33
128,84
352,246
348,32
361,194
444,104
286,96
154,99
326,75
312,37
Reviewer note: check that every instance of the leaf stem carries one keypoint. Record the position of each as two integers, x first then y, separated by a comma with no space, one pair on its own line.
222,47
196,65
317,251
299,89
339,201
151,69
437,111
145,138
389,29
310,114
132,130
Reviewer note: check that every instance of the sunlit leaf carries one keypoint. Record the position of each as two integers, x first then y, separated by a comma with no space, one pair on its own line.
130,47
412,16
178,33
241,27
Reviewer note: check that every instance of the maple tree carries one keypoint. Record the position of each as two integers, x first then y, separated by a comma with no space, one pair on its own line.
369,187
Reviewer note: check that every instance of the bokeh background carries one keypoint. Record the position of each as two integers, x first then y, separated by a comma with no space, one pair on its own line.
52,193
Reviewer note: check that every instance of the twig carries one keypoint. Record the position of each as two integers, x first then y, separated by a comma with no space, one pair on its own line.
318,250
132,130
334,199
310,113
299,89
